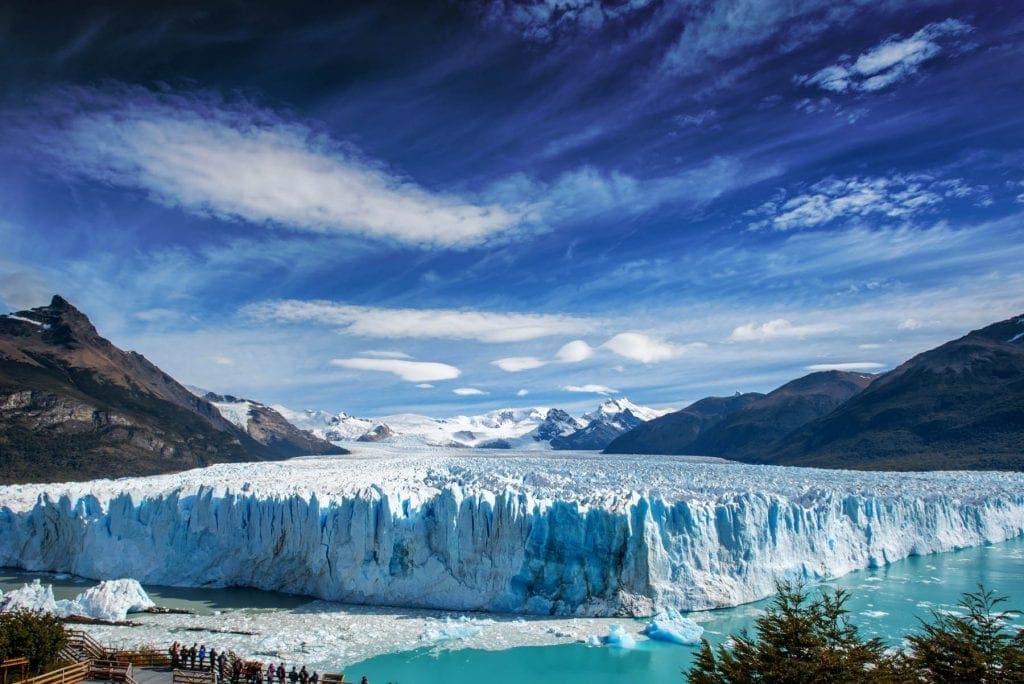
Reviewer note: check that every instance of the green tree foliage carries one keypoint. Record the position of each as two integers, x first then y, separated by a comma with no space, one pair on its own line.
797,640
802,640
33,635
978,646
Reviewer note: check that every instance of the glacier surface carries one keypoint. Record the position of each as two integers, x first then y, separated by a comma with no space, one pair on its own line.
560,534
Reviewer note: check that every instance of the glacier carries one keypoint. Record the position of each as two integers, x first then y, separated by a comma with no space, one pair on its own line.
566,533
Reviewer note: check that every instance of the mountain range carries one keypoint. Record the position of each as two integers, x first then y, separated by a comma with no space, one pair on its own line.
534,428
958,406
75,407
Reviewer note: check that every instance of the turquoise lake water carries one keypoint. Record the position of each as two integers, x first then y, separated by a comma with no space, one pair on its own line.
885,602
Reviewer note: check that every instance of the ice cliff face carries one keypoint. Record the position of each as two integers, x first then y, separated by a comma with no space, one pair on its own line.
564,534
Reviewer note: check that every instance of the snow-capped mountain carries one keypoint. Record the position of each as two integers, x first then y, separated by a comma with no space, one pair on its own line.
510,428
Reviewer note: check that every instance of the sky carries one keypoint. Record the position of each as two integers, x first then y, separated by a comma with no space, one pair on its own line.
447,207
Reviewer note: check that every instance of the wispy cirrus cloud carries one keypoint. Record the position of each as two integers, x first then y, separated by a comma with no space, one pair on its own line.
411,371
893,60
777,329
846,366
452,324
516,364
590,389
235,161
468,392
895,197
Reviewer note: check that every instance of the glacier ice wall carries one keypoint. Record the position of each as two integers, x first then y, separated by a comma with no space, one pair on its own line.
574,534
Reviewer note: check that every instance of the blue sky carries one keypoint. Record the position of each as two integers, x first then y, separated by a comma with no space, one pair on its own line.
453,207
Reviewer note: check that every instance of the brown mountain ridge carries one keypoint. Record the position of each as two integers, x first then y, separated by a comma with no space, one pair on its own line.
73,407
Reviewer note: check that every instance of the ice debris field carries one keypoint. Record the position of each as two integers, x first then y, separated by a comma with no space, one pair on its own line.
578,534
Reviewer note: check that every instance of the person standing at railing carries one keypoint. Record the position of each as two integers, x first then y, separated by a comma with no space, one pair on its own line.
213,659
222,665
270,673
280,674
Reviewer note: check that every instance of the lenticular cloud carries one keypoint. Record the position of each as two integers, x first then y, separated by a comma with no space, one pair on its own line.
237,162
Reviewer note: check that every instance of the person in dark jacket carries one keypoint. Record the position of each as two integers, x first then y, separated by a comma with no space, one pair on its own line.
303,676
222,665
192,656
236,671
314,678
280,673
293,676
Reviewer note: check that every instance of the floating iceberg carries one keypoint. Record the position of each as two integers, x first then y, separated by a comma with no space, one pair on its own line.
451,630
562,534
110,600
672,627
34,596
617,637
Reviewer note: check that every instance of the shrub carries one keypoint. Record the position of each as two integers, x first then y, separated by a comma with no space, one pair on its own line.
34,635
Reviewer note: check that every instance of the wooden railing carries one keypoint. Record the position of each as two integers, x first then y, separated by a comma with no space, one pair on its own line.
192,677
111,671
72,674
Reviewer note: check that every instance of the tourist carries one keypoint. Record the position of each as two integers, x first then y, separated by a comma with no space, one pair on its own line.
364,680
303,676
270,673
236,671
222,665
257,673
192,656
202,656
174,656
280,674
213,658
314,678
293,676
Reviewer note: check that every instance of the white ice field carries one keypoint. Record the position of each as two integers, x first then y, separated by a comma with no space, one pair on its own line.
562,533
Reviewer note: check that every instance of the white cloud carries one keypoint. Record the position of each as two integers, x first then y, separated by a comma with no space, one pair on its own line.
522,393
515,364
452,324
909,324
384,354
590,389
468,391
238,162
575,352
896,197
646,349
223,360
22,288
780,328
852,366
892,60
412,371
870,345
425,385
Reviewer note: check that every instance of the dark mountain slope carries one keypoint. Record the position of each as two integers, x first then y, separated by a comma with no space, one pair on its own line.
73,406
958,406
748,433
674,432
